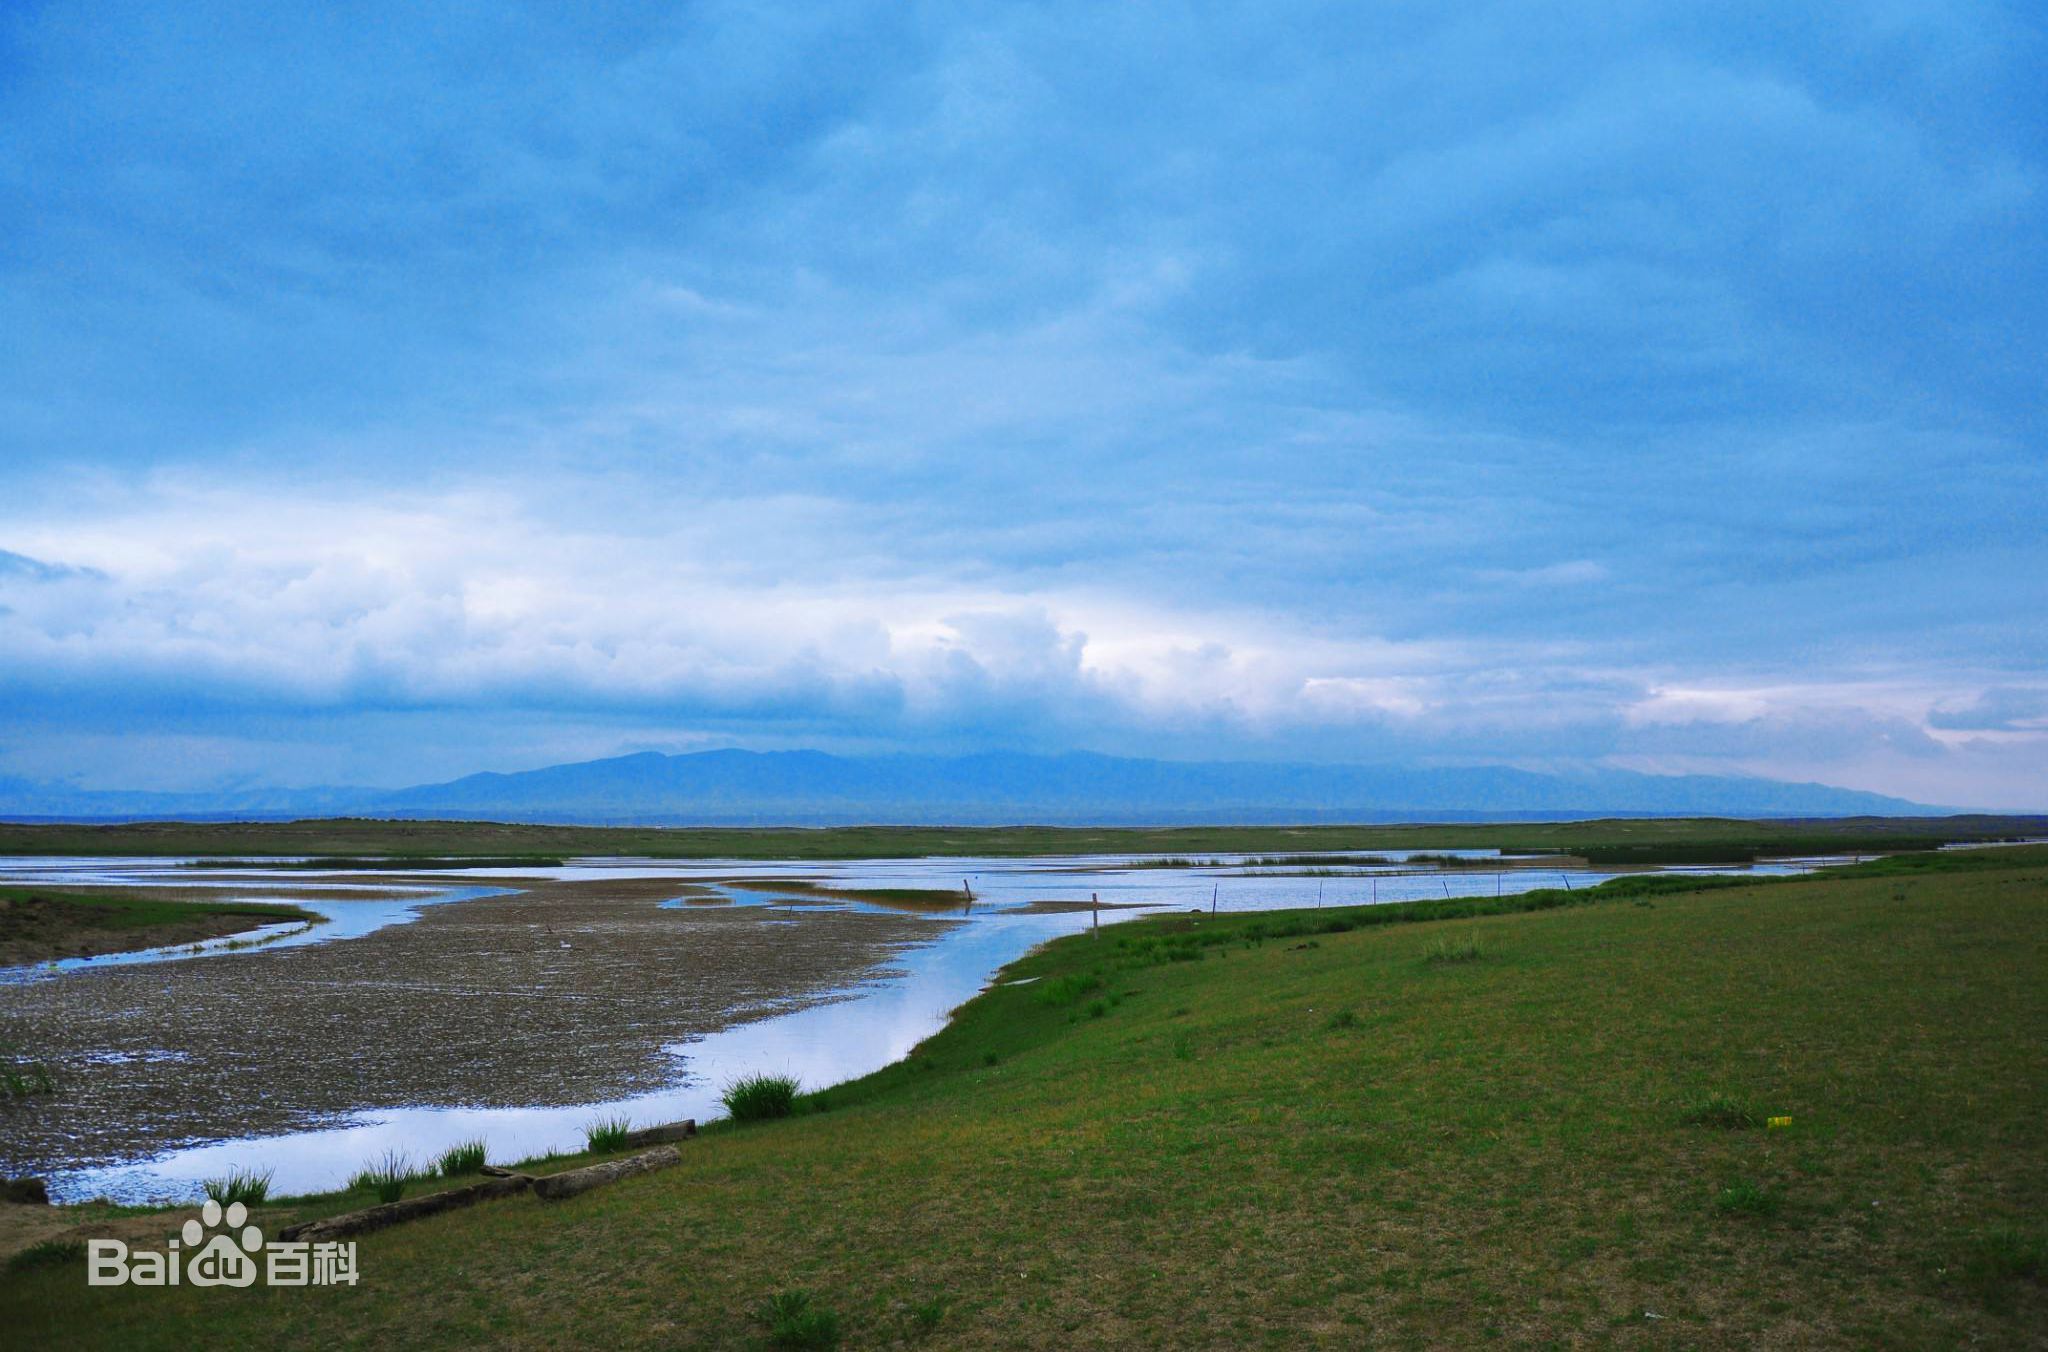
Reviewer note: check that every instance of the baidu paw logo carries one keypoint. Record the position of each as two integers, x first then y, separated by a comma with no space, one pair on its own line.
225,1258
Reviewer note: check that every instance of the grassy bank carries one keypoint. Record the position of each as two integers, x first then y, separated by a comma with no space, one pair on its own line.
38,924
1618,840
1321,1128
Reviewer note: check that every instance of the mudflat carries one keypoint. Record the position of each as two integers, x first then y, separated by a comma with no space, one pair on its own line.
557,993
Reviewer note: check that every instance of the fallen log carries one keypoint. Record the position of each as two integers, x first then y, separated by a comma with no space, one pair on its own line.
404,1209
662,1135
554,1187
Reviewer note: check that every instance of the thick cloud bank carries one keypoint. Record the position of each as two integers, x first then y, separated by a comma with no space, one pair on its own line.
1510,384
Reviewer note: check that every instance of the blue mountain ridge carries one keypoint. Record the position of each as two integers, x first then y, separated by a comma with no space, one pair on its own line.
815,788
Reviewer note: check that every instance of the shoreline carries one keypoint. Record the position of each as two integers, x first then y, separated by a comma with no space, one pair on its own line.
40,925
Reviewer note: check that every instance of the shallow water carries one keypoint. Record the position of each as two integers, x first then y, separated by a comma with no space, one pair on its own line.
339,920
819,1045
860,1027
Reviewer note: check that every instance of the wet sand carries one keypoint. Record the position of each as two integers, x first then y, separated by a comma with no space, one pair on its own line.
561,993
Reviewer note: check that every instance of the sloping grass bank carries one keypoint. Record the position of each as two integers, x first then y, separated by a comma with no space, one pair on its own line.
1530,1127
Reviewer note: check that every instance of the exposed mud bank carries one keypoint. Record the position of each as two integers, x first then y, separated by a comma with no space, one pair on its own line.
561,993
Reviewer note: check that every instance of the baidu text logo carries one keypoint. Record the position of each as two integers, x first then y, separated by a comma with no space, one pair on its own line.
223,1251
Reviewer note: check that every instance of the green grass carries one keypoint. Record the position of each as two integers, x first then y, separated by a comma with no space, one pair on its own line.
22,1075
246,1186
457,1160
607,1134
386,1176
1747,1198
118,912
38,924
425,842
757,1098
371,862
795,1320
48,1253
926,1316
1497,1154
1724,1113
1445,950
1066,988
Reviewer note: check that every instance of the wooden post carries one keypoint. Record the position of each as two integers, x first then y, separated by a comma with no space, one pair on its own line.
1214,888
1095,912
1319,894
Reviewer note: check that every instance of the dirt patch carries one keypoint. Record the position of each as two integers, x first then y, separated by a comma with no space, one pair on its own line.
562,993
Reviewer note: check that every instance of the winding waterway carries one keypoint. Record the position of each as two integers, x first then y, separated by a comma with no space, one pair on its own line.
519,1006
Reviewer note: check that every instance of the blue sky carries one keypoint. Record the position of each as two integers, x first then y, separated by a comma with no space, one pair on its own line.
395,393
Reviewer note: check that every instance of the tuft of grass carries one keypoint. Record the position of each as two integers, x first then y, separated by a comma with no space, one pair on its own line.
1065,990
606,1134
386,1176
465,1158
795,1320
240,1185
21,1076
926,1316
1744,1198
48,1253
758,1098
1725,1113
2007,1253
1341,1020
1446,951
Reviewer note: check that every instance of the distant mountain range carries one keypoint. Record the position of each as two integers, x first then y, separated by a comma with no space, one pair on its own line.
813,788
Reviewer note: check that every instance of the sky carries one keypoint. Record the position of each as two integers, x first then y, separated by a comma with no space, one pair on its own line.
393,392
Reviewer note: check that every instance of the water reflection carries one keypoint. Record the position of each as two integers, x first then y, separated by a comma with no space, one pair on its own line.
339,920
864,1028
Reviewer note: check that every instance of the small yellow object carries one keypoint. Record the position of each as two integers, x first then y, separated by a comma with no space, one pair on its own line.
1774,1123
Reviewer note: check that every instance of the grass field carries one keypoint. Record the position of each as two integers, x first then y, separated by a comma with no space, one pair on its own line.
1615,840
37,923
1537,1127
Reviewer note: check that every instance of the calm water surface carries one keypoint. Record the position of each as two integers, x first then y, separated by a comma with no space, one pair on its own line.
860,1029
